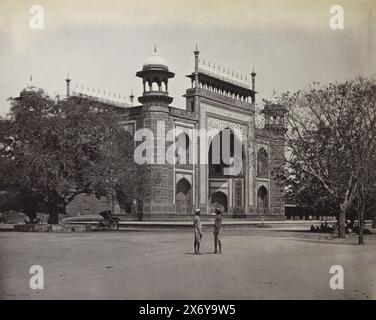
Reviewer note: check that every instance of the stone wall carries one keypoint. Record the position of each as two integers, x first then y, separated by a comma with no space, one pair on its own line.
84,204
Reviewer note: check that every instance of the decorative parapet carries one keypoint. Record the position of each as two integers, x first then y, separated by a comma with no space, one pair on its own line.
222,75
107,101
222,98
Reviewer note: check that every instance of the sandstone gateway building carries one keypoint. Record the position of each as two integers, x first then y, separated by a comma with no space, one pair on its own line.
217,100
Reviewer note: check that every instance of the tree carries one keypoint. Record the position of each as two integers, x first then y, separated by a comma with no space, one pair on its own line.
331,138
307,191
362,146
53,150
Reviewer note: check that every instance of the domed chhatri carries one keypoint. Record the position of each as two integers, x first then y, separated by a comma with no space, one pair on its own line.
31,85
155,75
30,88
275,115
155,61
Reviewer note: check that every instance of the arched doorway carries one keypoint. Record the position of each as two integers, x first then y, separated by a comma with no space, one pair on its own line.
262,200
183,197
219,200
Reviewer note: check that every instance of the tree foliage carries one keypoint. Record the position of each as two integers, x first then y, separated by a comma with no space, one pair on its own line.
331,138
306,191
51,151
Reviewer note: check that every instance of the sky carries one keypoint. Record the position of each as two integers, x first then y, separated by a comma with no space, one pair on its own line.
102,44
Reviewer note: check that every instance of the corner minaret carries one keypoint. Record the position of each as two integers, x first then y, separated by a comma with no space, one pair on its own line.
253,75
155,75
197,61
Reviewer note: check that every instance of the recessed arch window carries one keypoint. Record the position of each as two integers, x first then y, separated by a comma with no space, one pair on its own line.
182,149
262,163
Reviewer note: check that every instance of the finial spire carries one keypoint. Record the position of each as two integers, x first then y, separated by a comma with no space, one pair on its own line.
155,48
253,71
131,97
196,52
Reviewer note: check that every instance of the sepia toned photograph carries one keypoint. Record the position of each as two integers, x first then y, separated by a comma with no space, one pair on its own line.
205,150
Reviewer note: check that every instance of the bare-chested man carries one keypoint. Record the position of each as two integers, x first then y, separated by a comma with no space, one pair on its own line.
218,230
197,231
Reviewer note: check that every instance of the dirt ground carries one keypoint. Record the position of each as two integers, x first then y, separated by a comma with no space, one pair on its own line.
160,264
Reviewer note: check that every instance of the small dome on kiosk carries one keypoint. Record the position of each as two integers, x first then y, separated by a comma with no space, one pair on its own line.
155,61
155,75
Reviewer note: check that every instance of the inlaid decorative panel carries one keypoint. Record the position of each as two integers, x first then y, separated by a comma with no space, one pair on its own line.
219,124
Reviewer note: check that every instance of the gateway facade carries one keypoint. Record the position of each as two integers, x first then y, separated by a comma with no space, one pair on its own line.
218,102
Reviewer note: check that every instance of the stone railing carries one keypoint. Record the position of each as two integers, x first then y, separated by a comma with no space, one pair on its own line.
111,102
222,98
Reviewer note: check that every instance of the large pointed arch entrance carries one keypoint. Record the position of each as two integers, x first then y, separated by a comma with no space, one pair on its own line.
226,159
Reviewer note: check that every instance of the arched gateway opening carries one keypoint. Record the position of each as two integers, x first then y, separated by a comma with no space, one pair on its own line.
183,198
226,171
262,200
219,200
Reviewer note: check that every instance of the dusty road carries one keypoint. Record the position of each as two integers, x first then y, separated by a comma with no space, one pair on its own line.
256,264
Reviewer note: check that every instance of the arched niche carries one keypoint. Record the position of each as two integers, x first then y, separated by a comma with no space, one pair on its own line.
182,145
262,200
262,163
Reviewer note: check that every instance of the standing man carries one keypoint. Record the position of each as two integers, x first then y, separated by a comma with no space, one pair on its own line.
217,230
197,231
